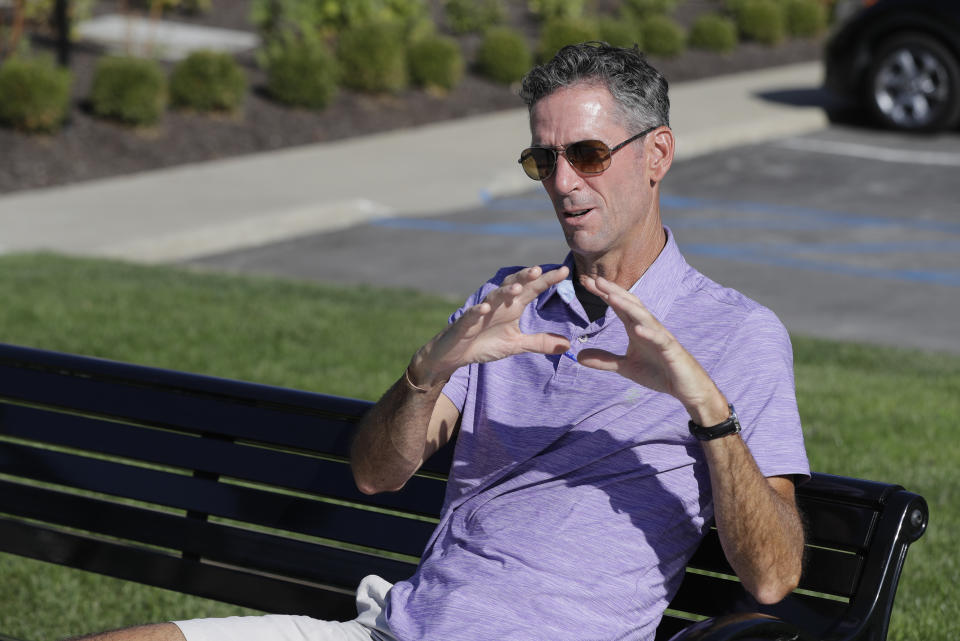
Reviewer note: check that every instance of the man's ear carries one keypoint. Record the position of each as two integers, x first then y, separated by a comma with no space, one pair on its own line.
660,153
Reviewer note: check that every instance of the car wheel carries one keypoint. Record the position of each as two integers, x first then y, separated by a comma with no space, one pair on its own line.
914,84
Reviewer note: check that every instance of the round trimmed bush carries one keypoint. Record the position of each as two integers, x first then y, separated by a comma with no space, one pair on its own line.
208,81
639,9
373,57
469,16
34,94
713,32
762,20
663,36
805,18
503,55
551,9
301,73
560,32
436,62
131,90
619,33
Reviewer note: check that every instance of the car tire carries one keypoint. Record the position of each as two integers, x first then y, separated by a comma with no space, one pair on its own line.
913,84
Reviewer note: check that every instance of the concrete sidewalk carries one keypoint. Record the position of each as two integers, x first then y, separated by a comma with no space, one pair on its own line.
195,210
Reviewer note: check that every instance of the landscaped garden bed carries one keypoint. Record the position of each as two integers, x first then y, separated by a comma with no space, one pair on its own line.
88,146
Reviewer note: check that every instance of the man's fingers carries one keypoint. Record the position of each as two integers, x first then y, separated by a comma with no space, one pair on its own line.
545,343
626,305
600,359
525,285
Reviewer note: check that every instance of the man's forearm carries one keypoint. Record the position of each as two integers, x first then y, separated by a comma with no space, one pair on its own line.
392,437
413,419
757,520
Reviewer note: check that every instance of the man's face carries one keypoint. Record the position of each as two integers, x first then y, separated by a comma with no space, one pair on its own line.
602,215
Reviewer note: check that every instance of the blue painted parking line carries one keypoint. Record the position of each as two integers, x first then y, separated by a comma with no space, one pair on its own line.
778,254
741,215
763,255
809,215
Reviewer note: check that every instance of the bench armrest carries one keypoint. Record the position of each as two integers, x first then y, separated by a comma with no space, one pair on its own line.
745,626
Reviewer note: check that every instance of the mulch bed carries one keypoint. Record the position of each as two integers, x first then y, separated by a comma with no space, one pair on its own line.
89,148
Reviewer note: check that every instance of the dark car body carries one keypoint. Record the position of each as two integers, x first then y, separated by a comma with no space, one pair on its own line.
898,58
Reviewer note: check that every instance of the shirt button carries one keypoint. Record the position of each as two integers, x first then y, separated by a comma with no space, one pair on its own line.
583,339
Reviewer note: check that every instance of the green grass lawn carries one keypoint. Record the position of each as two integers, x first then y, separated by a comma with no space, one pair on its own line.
871,412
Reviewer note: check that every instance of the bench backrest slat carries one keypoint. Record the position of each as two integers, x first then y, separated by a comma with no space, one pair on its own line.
833,572
166,571
293,470
196,537
293,513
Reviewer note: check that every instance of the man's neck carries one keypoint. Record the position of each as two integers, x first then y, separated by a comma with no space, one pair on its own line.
624,269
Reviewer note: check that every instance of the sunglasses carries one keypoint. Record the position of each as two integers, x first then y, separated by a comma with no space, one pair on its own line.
586,156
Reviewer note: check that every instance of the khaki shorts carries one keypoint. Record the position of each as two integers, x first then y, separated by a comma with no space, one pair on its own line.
370,624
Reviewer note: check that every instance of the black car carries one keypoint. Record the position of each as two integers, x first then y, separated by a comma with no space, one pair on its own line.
900,59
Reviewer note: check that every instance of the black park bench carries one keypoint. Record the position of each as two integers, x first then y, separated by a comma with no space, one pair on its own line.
243,493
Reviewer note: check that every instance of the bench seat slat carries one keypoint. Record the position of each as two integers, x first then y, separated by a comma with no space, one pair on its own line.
222,543
296,514
828,571
249,462
163,570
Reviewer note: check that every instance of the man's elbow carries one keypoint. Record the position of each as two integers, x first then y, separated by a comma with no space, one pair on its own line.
776,587
369,485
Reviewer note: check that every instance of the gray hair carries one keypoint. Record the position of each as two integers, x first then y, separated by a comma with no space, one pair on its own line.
638,88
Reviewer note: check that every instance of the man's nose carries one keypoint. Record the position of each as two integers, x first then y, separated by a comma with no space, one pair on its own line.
565,178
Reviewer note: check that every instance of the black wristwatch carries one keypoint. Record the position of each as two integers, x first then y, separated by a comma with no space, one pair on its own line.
728,427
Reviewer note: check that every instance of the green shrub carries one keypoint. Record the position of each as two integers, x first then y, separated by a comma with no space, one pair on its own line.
373,57
805,18
560,32
551,9
640,9
41,13
436,62
190,7
467,16
208,81
618,32
761,20
34,94
276,19
662,36
713,32
503,55
735,6
131,90
300,72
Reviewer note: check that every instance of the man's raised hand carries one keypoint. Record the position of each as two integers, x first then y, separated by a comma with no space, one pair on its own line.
490,330
654,357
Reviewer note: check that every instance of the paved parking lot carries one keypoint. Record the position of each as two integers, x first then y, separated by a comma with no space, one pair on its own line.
845,233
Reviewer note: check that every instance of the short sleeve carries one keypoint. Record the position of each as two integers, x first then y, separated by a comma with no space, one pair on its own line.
756,375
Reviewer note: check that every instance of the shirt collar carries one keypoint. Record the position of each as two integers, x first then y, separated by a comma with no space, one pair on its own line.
656,288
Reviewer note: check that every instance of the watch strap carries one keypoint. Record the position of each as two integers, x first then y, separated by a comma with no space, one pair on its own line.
726,428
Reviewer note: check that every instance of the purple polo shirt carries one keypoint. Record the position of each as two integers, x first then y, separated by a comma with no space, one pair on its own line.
576,496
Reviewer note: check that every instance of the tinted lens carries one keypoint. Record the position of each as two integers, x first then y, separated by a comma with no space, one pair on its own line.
588,156
538,163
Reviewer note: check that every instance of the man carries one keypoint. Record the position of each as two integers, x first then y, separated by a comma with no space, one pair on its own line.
593,408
